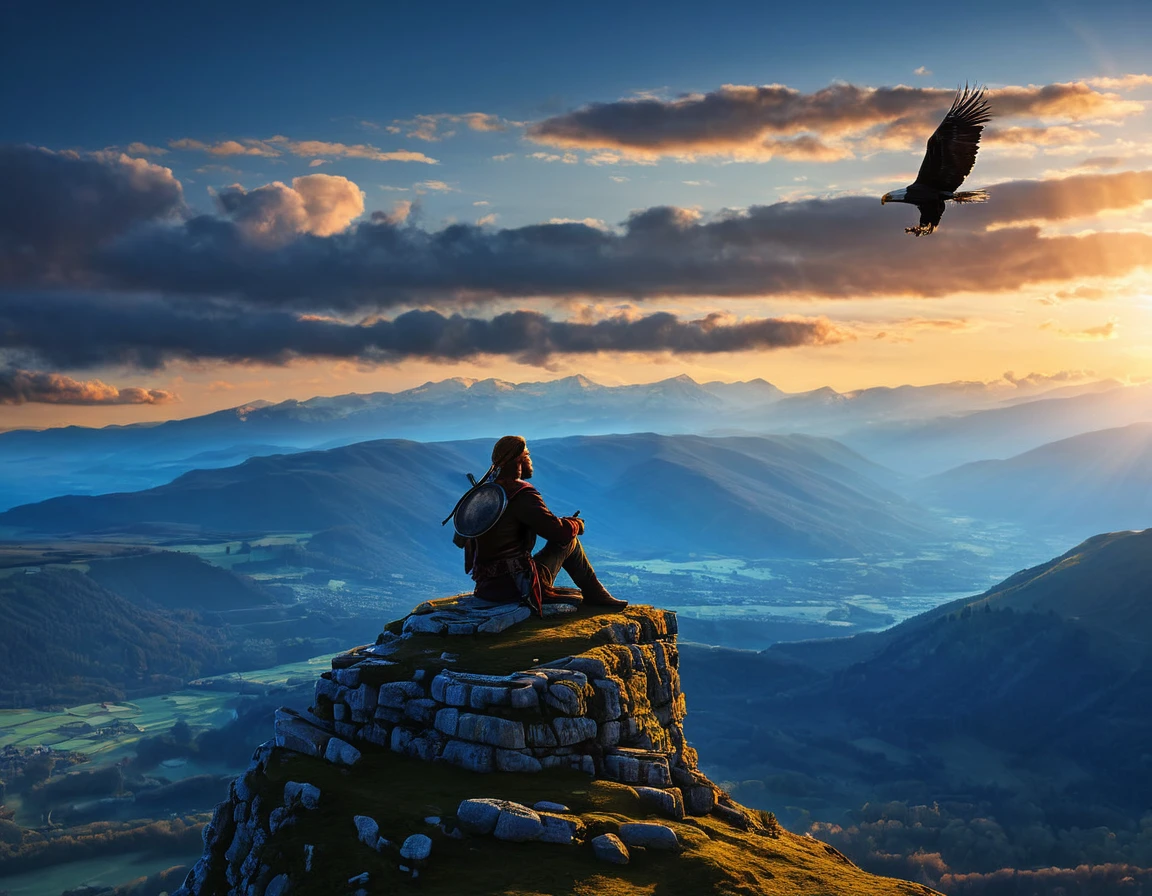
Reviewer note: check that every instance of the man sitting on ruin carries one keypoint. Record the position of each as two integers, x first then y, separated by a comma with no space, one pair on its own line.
501,559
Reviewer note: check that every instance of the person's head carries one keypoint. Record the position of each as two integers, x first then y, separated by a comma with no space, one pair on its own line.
511,455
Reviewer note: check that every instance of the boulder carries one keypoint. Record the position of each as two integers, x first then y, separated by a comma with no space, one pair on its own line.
670,802
649,836
416,849
546,806
280,885
490,730
306,796
608,848
513,761
367,830
474,757
479,816
518,824
341,752
559,830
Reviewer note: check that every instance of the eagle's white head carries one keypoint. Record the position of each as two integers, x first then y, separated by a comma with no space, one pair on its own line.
894,196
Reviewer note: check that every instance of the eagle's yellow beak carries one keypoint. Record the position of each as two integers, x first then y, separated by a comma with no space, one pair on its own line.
885,198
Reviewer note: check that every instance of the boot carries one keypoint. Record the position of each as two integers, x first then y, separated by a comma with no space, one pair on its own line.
598,596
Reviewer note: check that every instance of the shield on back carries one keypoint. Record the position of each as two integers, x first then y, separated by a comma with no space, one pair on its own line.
479,510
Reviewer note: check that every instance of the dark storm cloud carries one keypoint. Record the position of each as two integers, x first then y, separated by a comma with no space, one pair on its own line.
18,386
848,247
57,207
89,331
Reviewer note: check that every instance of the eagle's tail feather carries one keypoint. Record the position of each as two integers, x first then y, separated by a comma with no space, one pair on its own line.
971,196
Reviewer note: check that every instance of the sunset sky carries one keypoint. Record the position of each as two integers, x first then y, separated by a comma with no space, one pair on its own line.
245,201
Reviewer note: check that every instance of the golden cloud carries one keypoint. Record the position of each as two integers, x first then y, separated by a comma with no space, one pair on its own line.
749,122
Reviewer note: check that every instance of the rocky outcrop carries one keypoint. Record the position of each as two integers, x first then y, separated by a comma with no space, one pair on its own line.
391,764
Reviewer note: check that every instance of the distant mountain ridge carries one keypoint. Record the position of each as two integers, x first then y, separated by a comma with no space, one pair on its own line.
642,494
1079,485
76,460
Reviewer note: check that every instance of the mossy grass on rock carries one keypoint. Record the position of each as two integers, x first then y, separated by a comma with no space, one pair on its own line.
513,750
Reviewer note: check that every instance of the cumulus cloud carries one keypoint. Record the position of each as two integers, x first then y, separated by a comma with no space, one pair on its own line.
278,145
226,147
1068,198
18,386
59,205
87,331
749,122
320,204
143,149
432,128
294,246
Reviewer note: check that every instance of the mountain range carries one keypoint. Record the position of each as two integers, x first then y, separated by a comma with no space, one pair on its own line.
380,503
887,423
1084,484
1036,689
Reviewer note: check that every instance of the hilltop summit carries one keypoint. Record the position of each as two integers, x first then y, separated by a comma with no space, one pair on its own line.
475,749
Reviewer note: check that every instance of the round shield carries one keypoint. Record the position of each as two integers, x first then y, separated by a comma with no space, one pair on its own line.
479,510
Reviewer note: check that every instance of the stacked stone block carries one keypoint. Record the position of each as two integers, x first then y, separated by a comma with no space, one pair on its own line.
615,711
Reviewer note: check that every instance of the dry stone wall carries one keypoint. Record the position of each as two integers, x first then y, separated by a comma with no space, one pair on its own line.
613,711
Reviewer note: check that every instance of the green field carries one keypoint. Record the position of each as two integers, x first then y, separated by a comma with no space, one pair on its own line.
200,707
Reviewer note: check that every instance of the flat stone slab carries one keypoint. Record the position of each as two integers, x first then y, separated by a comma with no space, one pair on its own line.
464,614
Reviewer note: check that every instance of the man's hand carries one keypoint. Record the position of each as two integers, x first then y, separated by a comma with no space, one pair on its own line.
579,524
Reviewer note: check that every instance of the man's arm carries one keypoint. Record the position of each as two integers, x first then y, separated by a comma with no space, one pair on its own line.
529,508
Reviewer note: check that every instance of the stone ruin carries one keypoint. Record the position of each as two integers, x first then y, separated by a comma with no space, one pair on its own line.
613,711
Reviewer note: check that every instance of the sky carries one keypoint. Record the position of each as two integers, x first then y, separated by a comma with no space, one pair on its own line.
212,204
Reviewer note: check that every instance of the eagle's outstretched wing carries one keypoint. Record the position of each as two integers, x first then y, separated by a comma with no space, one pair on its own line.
952,147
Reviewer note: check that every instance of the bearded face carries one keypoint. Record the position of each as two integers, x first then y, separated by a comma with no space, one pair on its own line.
526,466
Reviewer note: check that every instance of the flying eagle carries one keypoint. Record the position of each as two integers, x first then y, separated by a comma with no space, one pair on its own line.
950,156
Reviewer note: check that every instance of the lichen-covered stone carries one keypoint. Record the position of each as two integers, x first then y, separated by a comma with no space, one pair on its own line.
416,849
559,830
367,830
281,817
514,761
517,824
341,752
294,733
474,757
670,801
566,697
479,816
541,735
496,732
574,731
649,836
609,848
421,710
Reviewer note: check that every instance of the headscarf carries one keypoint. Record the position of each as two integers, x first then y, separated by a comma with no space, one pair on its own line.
507,450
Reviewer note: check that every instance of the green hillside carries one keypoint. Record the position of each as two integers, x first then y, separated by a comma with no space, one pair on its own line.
642,494
1004,730
173,580
67,640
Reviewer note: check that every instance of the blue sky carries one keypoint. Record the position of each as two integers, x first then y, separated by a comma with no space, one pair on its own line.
231,100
